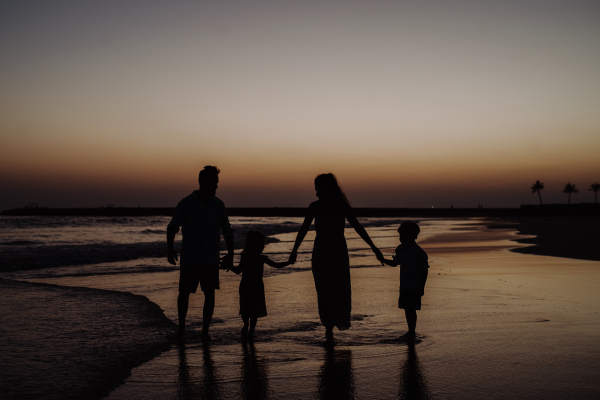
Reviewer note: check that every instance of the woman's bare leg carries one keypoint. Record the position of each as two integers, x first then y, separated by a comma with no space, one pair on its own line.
252,326
329,334
245,328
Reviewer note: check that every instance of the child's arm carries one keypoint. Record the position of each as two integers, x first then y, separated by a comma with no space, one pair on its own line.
424,270
391,263
424,274
275,264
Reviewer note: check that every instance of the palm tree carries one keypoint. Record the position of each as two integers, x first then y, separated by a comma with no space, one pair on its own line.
537,187
570,188
594,187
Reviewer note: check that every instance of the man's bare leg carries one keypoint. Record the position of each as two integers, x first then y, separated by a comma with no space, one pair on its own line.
207,312
183,301
411,320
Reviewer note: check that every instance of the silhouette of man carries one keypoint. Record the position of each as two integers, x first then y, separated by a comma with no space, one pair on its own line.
202,217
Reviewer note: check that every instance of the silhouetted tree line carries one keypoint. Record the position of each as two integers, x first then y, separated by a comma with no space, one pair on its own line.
569,189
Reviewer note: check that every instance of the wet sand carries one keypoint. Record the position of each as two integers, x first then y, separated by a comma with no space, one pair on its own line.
44,328
494,324
570,237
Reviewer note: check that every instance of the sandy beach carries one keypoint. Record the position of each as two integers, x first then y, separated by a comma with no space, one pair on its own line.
127,126
495,323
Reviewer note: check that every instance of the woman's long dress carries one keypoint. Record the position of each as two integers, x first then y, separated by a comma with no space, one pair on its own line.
331,266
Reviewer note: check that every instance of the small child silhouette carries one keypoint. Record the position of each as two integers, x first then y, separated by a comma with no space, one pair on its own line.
413,274
252,289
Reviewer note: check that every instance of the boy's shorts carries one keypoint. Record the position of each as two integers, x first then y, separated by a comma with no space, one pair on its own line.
409,300
206,275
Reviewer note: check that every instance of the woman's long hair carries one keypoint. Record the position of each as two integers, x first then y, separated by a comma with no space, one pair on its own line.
328,188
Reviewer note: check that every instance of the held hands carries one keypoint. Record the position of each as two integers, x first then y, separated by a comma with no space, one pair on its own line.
293,256
172,255
283,264
379,255
227,262
382,259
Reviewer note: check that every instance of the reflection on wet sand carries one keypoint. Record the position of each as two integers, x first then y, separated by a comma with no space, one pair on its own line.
413,384
255,374
336,377
191,387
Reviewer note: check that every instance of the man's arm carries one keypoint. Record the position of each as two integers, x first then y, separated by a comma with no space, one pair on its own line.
229,244
172,229
227,261
171,253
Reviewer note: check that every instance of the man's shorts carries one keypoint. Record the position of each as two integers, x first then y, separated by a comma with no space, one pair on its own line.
207,275
409,300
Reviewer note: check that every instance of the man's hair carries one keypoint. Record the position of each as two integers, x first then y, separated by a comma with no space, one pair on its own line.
209,170
410,227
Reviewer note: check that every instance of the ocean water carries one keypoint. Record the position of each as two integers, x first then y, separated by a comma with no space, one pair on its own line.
88,310
85,299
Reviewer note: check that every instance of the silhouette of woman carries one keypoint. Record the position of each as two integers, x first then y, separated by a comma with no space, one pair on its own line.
330,262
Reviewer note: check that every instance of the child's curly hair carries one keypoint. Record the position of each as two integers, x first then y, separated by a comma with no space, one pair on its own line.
410,227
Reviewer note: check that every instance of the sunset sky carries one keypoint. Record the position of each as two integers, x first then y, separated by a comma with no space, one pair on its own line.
409,103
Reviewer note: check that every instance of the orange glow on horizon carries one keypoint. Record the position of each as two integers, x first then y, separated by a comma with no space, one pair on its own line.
417,104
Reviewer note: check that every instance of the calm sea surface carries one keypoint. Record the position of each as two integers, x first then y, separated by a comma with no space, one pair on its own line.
76,314
88,311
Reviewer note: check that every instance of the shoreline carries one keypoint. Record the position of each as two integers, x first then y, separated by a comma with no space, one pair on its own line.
550,210
473,276
567,237
108,351
493,325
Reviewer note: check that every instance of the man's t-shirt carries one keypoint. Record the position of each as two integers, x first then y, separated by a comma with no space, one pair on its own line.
411,261
201,228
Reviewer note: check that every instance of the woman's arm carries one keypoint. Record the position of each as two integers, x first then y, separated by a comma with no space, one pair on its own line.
310,215
276,264
362,233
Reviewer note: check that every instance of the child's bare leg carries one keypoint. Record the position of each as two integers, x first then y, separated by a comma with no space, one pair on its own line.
411,320
252,326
